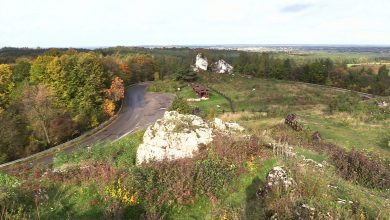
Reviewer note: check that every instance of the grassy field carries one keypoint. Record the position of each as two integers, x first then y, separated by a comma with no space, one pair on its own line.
216,101
263,103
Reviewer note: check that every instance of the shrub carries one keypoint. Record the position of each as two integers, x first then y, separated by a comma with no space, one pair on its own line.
236,150
345,103
8,186
355,166
180,105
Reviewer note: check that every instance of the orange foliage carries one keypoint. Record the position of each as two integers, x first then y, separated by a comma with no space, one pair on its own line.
117,89
124,68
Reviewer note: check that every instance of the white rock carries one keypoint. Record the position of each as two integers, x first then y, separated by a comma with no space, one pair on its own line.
227,126
222,67
383,104
201,63
178,136
278,176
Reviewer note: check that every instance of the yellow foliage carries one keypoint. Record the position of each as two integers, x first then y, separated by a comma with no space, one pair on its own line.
94,121
122,194
109,107
251,166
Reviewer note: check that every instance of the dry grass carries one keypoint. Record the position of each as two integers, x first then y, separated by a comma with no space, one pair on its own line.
230,116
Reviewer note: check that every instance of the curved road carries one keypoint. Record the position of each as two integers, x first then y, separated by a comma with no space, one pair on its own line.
139,110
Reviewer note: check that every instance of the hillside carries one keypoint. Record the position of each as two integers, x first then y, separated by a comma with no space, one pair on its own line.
230,177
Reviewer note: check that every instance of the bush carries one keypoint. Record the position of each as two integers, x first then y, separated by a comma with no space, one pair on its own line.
8,186
345,103
355,166
180,105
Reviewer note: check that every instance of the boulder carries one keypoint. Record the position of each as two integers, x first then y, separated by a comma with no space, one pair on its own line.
226,127
222,67
383,104
277,178
201,63
177,136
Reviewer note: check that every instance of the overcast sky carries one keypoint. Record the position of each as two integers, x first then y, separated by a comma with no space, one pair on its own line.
90,23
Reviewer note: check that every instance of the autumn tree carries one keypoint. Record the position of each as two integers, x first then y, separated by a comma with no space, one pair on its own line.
38,71
6,84
142,68
79,82
39,106
61,127
109,107
112,68
117,90
114,94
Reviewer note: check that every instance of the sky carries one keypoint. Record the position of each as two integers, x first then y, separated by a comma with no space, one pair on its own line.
98,23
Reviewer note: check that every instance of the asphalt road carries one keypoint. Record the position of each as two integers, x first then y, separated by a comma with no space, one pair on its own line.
139,110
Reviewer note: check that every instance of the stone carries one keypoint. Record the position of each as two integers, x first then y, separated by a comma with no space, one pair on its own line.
227,126
201,63
383,104
278,177
177,136
221,66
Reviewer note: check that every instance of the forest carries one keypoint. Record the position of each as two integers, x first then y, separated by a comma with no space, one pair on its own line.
55,96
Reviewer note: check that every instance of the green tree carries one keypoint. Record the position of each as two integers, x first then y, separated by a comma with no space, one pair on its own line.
277,69
13,136
383,73
21,70
317,73
288,69
186,74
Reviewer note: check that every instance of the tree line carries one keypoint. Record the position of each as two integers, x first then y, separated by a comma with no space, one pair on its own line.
58,95
321,71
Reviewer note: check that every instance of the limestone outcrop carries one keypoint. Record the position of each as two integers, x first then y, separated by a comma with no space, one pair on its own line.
201,63
222,67
178,136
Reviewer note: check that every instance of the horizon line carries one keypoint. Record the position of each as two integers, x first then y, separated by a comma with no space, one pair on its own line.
201,45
